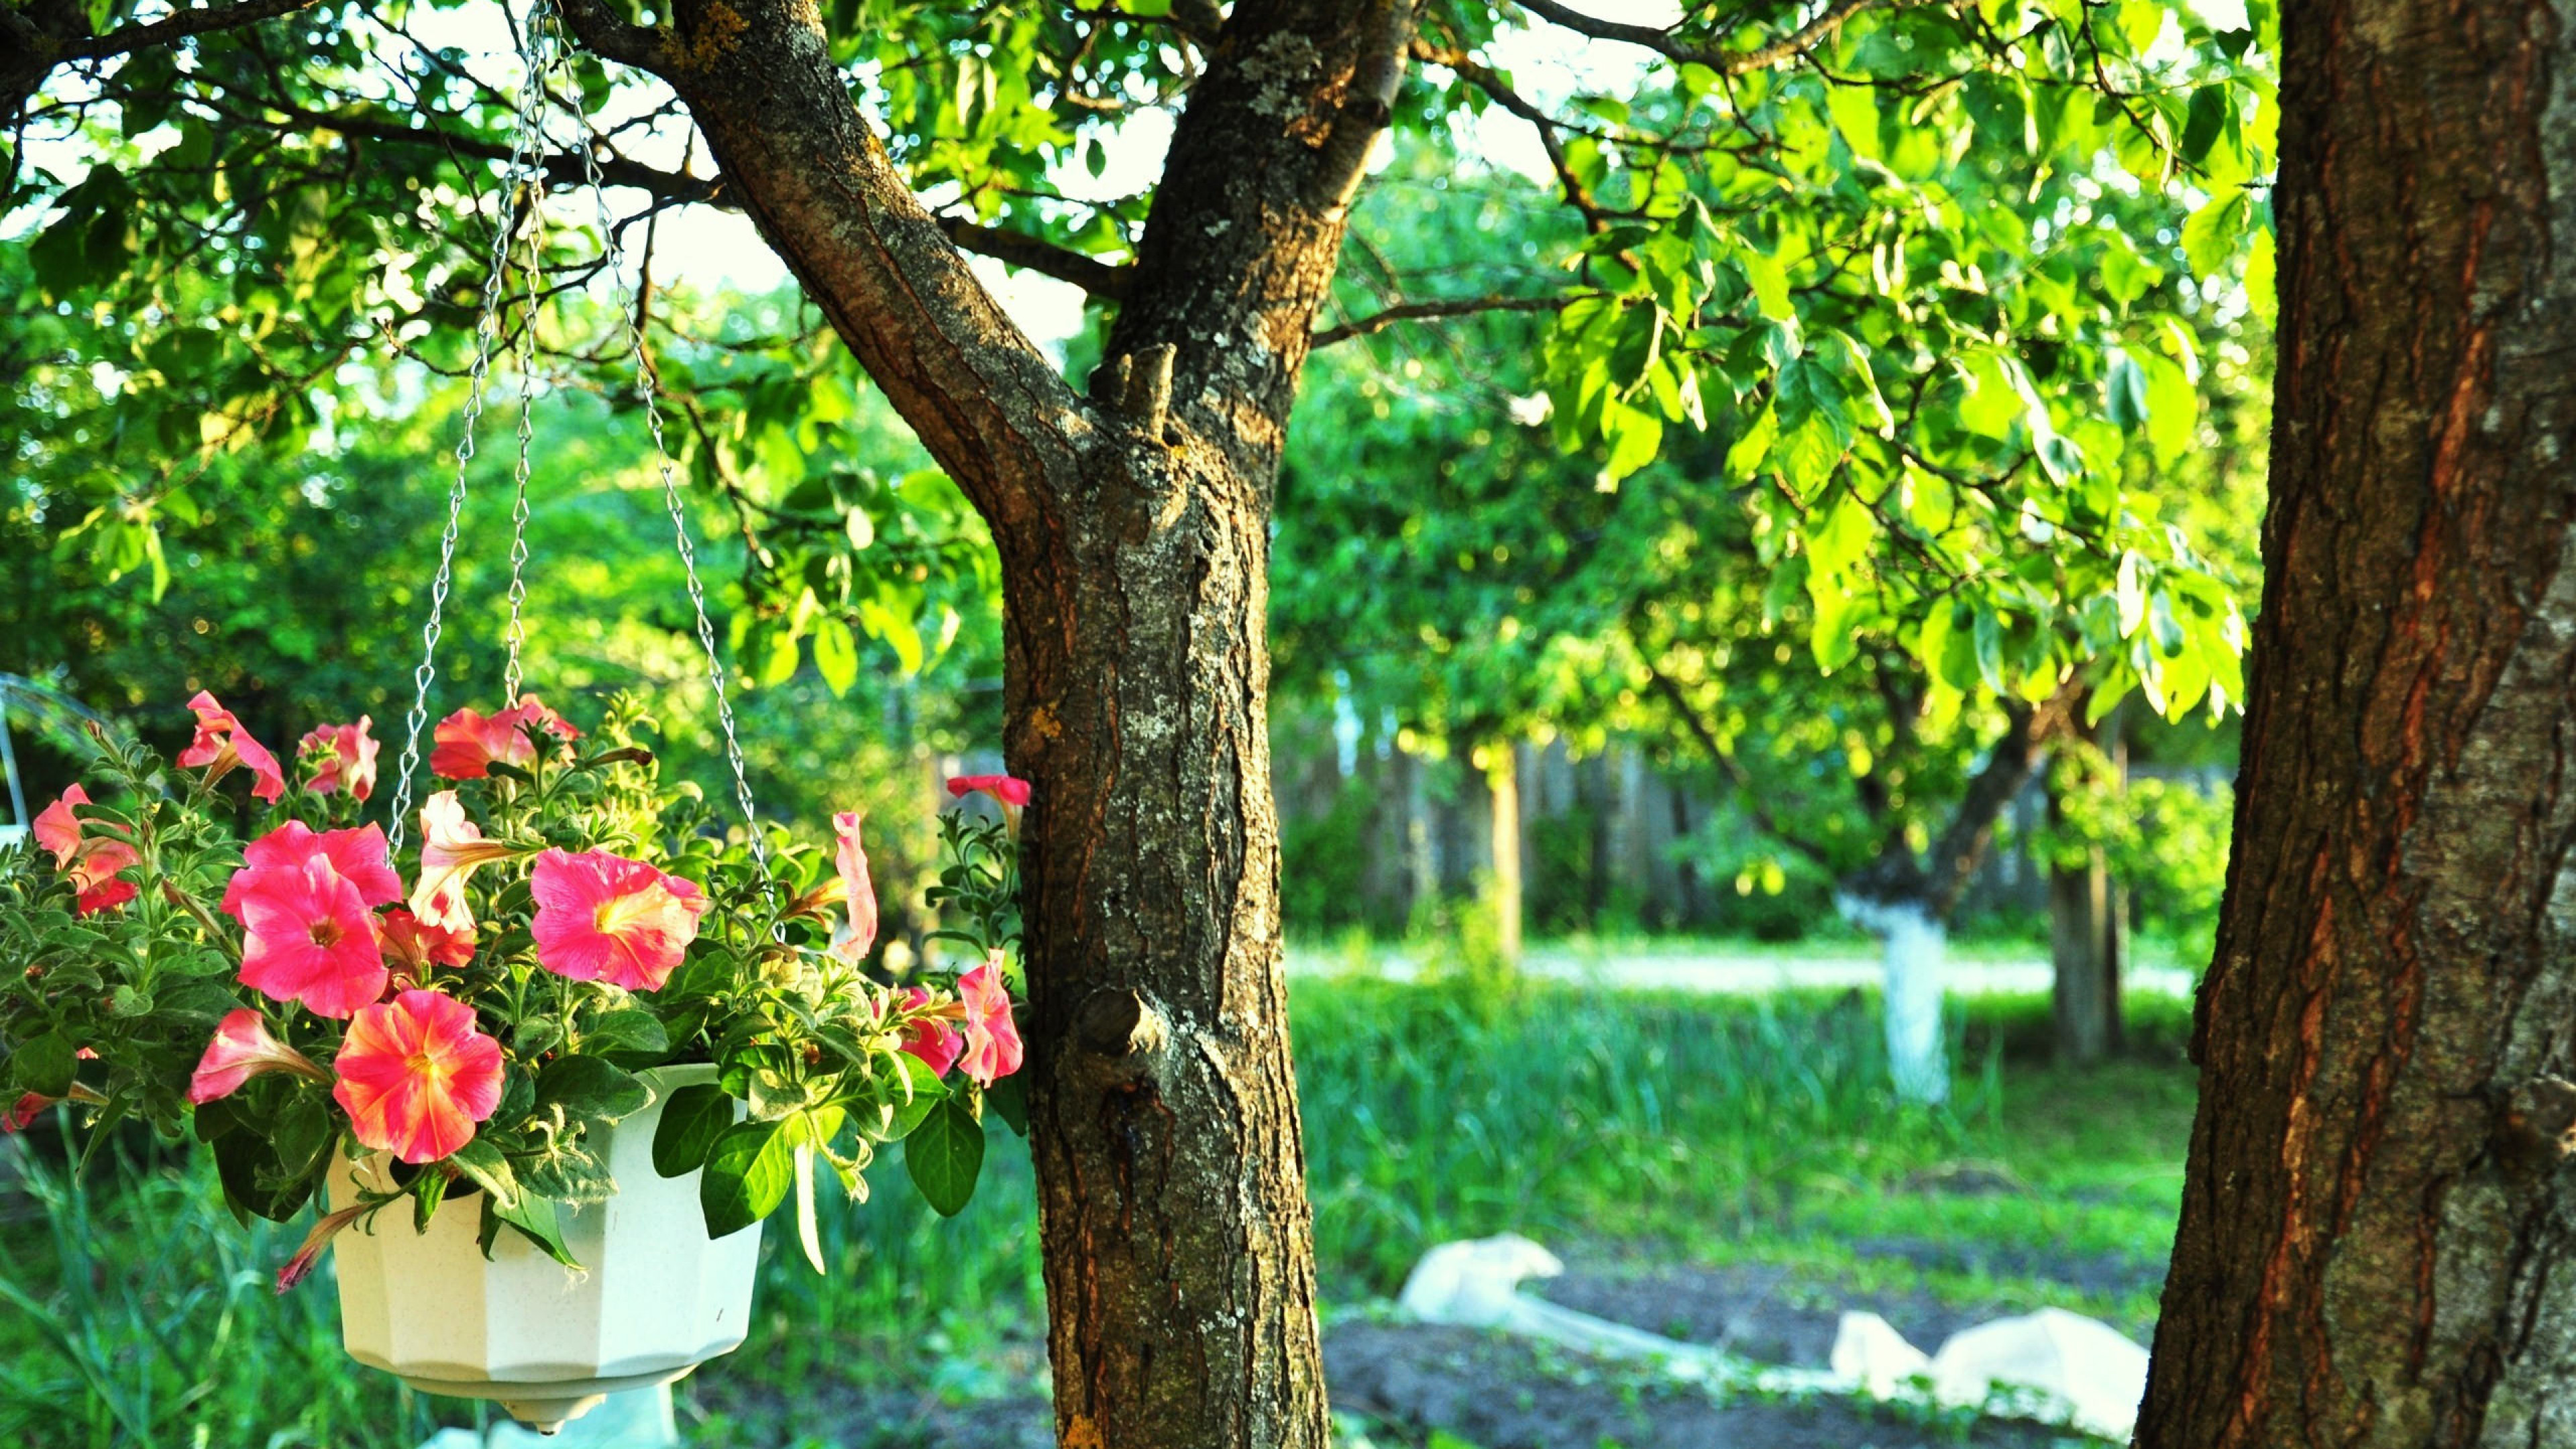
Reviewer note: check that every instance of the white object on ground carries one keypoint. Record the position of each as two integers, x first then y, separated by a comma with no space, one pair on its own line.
657,1299
2086,1365
1873,1357
2075,1370
1913,944
1475,1284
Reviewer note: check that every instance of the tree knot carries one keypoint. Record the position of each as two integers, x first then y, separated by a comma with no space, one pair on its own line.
1123,1030
2536,1126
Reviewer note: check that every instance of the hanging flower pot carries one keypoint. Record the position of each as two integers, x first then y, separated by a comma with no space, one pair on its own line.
556,1056
654,1298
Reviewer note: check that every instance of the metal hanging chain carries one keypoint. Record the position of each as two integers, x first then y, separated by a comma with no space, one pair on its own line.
646,392
515,637
521,172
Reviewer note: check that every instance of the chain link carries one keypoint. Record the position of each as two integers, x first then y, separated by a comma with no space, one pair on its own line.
646,392
514,181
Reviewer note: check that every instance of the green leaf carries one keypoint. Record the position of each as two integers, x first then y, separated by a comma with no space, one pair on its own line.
2208,117
836,655
2173,407
536,1220
2262,281
691,1122
1634,435
2210,235
1770,283
44,1065
591,1087
748,1174
1009,1099
631,1031
483,1165
944,1155
808,1234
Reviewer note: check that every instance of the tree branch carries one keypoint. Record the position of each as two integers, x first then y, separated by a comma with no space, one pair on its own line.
1727,764
759,79
1485,78
1423,311
186,23
1042,257
1789,47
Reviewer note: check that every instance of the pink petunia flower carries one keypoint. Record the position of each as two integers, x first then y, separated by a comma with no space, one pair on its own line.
856,888
451,849
309,939
243,1049
308,1255
993,1048
358,854
935,1042
532,711
90,859
348,756
468,743
416,1076
222,743
412,946
602,917
1009,789
23,1113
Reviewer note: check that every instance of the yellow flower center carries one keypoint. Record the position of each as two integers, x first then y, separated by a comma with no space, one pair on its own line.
324,933
620,914
425,1066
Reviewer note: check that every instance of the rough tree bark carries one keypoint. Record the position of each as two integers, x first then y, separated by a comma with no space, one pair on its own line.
1133,529
2374,1247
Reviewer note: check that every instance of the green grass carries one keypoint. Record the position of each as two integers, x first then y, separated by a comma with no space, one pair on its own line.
1712,1128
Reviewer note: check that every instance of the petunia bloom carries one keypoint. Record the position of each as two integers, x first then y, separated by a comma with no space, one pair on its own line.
993,1048
412,946
602,917
416,1076
1009,789
358,854
222,743
451,848
468,743
90,860
348,756
856,888
532,711
935,1042
242,1049
308,1255
308,938
23,1113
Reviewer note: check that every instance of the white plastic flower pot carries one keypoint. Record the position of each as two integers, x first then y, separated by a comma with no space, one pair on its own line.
655,1299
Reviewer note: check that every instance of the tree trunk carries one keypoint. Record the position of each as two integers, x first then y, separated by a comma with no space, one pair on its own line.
2085,936
1913,945
2376,1222
2084,991
1133,531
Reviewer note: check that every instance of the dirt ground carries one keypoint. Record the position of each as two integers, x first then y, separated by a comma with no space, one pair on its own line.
1399,1382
